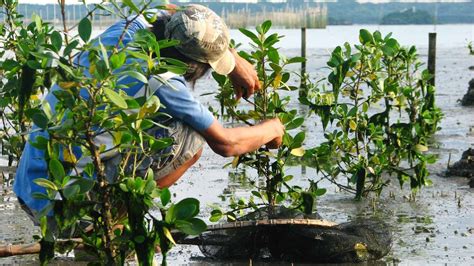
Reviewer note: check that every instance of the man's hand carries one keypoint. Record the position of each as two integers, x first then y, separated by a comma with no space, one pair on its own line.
171,8
243,77
279,130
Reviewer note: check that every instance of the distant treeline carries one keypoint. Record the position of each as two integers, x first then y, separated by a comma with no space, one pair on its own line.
408,16
351,12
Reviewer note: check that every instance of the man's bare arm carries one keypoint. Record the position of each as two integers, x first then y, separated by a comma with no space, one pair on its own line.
236,141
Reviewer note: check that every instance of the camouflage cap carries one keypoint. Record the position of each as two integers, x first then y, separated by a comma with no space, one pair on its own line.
203,37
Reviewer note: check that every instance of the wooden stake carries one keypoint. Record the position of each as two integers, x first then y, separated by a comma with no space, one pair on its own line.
432,57
303,54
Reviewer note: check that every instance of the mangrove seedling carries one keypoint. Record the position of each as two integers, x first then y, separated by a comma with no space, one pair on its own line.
267,103
378,116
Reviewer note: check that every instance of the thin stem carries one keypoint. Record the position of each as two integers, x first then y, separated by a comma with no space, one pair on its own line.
128,22
104,195
62,4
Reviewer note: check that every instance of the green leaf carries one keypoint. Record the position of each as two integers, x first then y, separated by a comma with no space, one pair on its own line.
378,36
131,5
355,57
85,184
183,210
105,55
89,169
70,47
271,40
115,98
273,55
56,169
161,144
174,69
365,37
165,196
123,187
71,191
40,142
117,60
85,29
251,35
298,152
298,140
320,192
56,40
266,26
421,148
392,43
40,196
10,64
296,60
40,120
150,178
136,75
126,138
38,21
33,64
352,125
187,208
295,123
193,226
47,110
43,182
257,194
221,79
216,215
151,106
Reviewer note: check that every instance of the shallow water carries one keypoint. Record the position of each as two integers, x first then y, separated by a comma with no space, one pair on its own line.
438,227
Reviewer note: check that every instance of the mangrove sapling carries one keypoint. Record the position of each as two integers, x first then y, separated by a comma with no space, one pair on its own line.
363,142
77,188
22,78
268,103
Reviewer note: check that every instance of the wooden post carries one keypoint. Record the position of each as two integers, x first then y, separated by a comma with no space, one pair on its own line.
432,56
303,54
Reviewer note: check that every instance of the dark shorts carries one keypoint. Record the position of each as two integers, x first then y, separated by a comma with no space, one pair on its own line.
187,143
